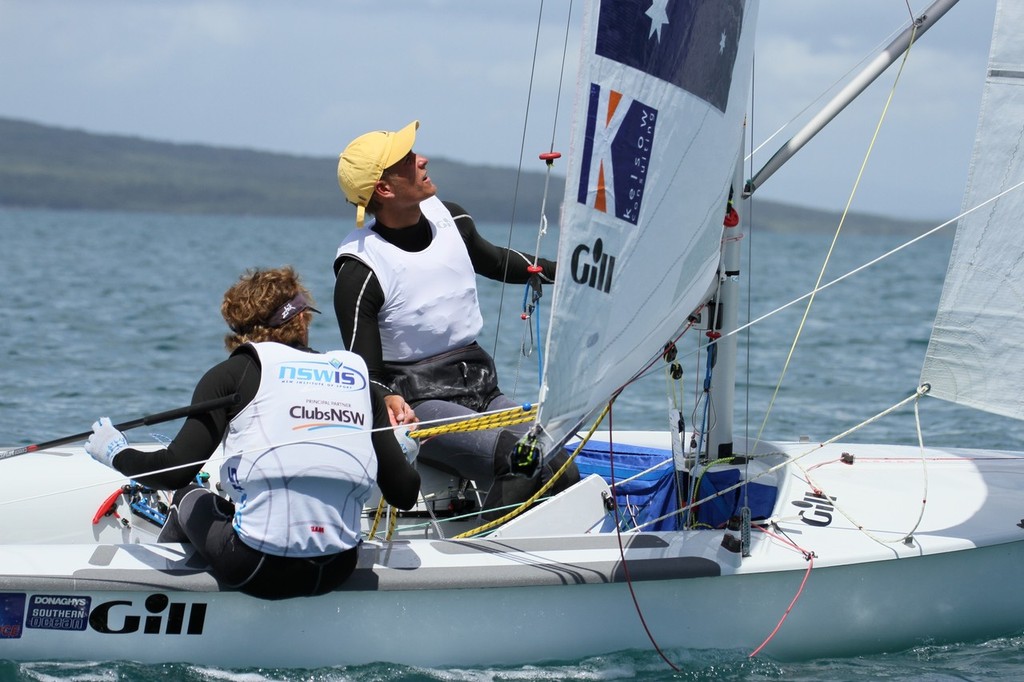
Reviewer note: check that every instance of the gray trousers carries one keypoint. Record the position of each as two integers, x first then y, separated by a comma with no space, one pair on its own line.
475,455
482,456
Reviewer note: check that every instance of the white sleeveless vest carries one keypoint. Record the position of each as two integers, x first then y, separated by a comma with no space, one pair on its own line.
430,300
299,463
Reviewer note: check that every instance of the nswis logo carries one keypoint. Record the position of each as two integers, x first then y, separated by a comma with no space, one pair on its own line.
616,153
325,373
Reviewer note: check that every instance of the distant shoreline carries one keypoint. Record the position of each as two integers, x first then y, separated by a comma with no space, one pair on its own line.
60,168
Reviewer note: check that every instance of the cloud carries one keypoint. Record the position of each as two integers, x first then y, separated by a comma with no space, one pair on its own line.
304,78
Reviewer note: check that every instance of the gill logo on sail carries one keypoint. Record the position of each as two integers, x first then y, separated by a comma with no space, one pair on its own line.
595,271
616,154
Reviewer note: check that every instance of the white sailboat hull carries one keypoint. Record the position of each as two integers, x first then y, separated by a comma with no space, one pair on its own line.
859,586
844,611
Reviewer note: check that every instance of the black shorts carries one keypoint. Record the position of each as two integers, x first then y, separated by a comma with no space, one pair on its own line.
203,518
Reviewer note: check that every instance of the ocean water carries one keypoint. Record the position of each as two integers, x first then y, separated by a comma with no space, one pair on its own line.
118,314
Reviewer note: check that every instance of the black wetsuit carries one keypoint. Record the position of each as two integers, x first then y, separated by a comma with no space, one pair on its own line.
477,455
358,296
204,518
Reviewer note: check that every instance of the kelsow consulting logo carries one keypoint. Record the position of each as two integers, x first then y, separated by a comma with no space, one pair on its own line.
616,153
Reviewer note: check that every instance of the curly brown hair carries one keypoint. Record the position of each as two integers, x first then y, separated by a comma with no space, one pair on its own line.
252,300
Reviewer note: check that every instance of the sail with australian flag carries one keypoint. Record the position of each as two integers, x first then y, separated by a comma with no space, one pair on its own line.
657,133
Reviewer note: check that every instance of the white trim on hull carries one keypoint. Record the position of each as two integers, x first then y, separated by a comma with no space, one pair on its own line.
389,614
515,599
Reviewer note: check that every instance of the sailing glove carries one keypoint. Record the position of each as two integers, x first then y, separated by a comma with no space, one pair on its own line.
105,442
410,446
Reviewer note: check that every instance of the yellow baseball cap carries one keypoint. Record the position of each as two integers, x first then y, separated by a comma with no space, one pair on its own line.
364,160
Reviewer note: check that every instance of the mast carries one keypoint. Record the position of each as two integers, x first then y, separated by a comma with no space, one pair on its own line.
852,90
721,329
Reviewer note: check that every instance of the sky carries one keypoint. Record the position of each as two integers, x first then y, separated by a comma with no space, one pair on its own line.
491,82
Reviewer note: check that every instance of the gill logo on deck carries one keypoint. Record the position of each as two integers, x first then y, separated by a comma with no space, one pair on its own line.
816,509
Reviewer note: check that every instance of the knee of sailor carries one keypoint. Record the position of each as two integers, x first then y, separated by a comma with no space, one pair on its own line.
181,493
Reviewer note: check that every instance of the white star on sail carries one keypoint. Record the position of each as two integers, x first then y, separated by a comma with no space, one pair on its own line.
721,44
659,17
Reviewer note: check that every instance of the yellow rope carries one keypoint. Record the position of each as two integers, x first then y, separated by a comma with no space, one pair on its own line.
547,486
516,415
376,517
835,238
393,518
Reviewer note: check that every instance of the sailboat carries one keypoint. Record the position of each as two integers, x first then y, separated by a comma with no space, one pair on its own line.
784,549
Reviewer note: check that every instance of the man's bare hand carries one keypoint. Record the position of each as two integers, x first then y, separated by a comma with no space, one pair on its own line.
399,411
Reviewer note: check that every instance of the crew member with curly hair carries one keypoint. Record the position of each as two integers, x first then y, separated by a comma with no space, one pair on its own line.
302,450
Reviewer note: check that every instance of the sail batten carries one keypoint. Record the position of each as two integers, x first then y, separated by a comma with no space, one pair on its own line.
975,356
656,136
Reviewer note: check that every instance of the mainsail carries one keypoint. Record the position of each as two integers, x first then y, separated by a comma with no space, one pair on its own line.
974,356
657,134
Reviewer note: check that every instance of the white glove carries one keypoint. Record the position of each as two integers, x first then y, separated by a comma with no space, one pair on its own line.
105,442
410,446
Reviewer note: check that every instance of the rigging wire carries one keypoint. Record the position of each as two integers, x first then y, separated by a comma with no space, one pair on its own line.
835,239
542,229
622,551
867,56
790,459
879,259
515,191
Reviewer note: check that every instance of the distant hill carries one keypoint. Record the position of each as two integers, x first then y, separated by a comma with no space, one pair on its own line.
50,167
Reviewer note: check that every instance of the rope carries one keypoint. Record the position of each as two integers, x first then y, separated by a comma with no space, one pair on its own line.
544,488
622,551
515,415
800,590
835,238
908,536
376,518
869,54
792,459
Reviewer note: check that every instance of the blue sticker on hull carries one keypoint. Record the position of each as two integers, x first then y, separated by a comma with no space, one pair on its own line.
12,615
57,612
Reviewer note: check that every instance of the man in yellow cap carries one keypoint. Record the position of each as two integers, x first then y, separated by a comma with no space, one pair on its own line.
406,301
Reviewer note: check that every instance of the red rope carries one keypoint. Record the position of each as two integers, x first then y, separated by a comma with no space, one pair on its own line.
622,551
810,564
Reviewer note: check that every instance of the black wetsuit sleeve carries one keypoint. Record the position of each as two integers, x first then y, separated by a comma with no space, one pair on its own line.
358,299
496,262
201,434
399,482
